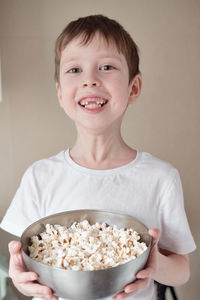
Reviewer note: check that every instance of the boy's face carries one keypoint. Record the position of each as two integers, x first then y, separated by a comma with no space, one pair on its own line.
94,88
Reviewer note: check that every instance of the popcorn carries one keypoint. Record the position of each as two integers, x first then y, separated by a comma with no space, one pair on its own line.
86,247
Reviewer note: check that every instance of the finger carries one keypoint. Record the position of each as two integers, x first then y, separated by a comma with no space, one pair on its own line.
15,253
150,268
144,274
16,260
36,289
155,233
14,247
132,288
136,285
16,265
23,277
123,295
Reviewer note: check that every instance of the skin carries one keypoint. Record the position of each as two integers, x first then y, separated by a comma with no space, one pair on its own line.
98,69
25,281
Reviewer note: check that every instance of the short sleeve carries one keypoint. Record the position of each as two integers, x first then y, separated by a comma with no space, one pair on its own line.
24,208
175,231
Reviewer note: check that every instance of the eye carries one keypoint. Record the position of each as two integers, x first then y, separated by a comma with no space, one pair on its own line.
74,70
107,68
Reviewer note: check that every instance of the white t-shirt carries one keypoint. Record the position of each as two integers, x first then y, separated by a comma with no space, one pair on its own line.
147,188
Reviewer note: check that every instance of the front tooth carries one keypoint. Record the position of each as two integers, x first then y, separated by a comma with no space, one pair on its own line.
84,102
91,105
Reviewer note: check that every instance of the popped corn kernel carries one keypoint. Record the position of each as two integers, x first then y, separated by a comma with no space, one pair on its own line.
86,247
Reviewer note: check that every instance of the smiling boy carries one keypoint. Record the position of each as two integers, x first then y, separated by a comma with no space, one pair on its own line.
94,91
97,77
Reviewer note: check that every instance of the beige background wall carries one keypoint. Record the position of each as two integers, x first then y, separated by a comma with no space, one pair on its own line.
164,121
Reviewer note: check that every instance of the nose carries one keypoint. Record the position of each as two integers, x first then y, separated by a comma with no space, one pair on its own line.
91,82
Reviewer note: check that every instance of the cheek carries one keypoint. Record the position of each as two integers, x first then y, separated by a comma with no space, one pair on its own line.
68,91
69,111
121,95
67,101
121,92
120,84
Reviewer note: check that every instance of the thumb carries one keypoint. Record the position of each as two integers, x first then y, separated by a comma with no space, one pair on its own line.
151,261
14,247
155,234
16,260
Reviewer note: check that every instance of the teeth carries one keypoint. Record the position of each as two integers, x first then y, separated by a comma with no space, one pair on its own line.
83,102
94,104
101,102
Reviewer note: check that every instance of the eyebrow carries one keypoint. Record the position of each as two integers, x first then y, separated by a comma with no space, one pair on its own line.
111,57
75,58
69,59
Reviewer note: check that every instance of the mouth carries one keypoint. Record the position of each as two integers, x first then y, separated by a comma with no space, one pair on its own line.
92,103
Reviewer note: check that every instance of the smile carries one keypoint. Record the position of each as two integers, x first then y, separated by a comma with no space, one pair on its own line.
92,103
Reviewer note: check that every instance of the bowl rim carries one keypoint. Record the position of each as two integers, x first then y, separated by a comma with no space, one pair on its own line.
43,265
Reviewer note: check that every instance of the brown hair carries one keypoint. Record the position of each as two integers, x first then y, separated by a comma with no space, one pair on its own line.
111,30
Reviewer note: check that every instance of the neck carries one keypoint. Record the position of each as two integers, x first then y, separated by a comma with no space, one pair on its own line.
101,150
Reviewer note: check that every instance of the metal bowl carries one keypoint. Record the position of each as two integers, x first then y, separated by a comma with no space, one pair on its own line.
85,285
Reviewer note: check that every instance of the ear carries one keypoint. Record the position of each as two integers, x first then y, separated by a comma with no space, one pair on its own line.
59,93
135,88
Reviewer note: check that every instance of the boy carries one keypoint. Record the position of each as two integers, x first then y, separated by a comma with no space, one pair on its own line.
97,77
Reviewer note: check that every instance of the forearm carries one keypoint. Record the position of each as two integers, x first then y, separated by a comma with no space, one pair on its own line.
172,269
163,266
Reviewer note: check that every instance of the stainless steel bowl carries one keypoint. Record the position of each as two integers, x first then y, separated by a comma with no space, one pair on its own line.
86,285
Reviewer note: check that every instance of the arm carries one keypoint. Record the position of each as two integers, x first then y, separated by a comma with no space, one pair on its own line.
174,264
25,281
163,266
